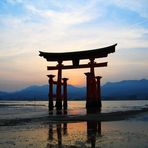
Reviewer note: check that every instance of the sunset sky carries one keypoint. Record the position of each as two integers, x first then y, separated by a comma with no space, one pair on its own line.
30,26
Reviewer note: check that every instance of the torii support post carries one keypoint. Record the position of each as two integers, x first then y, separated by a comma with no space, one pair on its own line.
92,64
58,91
50,95
65,93
91,100
92,79
87,86
99,90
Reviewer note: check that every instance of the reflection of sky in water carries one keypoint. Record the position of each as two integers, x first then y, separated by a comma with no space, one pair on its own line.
23,109
127,133
81,134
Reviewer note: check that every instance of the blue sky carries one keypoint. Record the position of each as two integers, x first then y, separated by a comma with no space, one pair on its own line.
27,26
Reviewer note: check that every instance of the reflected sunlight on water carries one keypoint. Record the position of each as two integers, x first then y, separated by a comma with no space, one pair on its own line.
126,133
24,109
79,134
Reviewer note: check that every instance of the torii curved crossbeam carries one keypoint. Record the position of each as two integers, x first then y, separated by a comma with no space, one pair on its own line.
78,55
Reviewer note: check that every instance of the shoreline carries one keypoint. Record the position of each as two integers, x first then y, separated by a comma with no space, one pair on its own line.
111,116
32,100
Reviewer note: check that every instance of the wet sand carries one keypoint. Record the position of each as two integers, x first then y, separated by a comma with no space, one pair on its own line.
122,129
112,116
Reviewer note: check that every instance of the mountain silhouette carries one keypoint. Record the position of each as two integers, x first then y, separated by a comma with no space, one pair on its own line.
131,89
126,89
41,93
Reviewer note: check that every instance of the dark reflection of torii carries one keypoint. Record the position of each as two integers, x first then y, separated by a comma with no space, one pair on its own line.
50,132
93,130
59,127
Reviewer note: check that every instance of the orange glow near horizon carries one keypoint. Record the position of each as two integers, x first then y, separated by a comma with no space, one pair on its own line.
27,27
76,82
76,76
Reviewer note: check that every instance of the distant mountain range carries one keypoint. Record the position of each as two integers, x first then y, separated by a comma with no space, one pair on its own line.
41,93
127,89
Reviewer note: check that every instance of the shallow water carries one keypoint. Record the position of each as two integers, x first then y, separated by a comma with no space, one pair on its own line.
79,134
131,132
29,109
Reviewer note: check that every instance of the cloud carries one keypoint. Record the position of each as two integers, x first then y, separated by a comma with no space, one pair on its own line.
70,26
58,26
65,17
139,6
13,2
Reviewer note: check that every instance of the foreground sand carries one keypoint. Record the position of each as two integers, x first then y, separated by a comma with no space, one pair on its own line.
130,131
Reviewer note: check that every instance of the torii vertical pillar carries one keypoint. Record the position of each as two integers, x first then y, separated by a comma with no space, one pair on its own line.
88,91
65,93
99,90
92,100
93,80
50,95
58,91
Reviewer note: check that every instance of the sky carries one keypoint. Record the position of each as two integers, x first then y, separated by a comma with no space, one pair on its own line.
30,26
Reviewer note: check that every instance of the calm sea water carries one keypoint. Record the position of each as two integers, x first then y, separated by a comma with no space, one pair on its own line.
25,109
127,133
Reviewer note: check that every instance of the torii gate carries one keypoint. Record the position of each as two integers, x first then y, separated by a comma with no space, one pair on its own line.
93,83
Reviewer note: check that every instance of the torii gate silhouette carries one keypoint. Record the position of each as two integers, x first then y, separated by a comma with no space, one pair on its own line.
93,99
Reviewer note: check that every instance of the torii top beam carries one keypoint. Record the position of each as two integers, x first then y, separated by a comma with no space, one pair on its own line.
78,55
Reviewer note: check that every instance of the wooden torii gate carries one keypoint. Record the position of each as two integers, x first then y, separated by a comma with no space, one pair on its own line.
93,99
